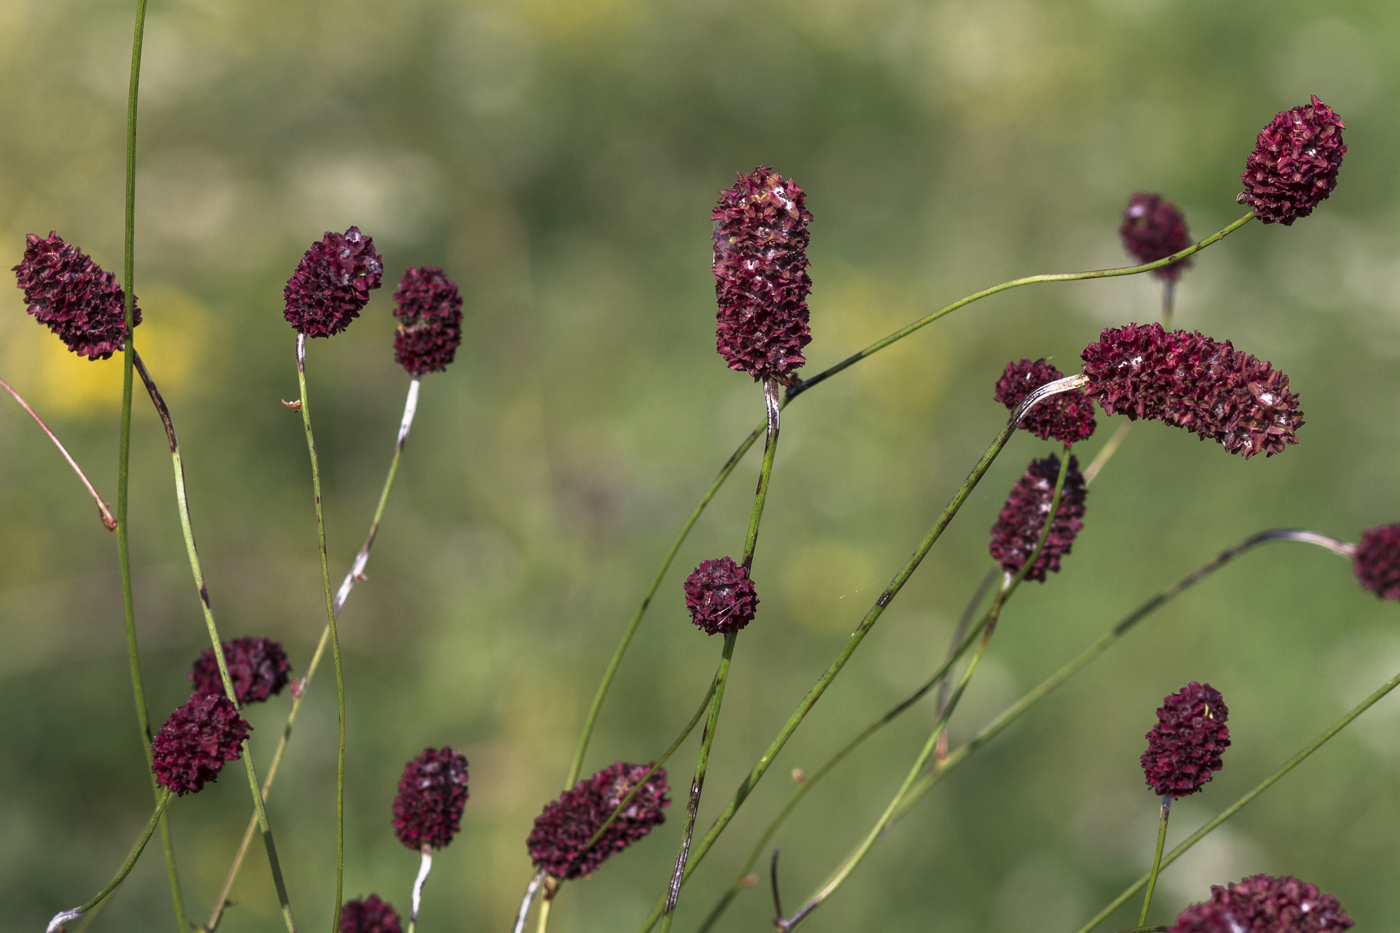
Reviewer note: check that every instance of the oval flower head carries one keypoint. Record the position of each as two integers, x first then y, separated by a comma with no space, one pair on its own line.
1265,904
331,284
559,841
71,295
191,748
432,794
257,666
1153,229
1185,745
429,311
1022,519
1376,561
1293,167
720,596
1068,417
370,915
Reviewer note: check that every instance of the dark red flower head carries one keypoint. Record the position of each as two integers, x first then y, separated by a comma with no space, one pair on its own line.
192,746
1264,904
1185,745
1189,380
1153,229
1022,519
1377,561
432,793
761,281
332,283
71,295
720,596
370,915
1294,163
258,667
429,311
557,842
1067,417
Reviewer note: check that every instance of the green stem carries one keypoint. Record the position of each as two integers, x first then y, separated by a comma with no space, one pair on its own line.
1168,302
1157,858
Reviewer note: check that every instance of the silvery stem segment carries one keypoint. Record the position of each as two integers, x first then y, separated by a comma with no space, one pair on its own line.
423,870
525,902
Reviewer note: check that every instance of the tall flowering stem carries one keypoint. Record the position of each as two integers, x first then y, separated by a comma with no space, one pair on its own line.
1156,859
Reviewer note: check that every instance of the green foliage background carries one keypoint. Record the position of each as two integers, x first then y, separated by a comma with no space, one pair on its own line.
560,158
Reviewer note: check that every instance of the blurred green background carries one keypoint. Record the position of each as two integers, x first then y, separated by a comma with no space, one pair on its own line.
560,159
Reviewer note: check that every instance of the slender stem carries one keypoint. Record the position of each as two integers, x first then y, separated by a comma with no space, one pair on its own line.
1106,451
545,906
525,902
423,869
1168,302
1157,858
773,878
959,634
108,521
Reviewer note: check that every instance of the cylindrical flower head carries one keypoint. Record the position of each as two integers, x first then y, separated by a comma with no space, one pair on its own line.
432,793
429,311
257,666
1294,163
1022,519
1067,417
71,295
1185,745
557,842
720,596
1153,229
370,915
761,281
1377,561
1264,904
1189,380
331,284
192,746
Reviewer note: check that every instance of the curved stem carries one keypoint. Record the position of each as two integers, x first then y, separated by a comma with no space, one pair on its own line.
162,798
1157,858
525,902
423,869
104,513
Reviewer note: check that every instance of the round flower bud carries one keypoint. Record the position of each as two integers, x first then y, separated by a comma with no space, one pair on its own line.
562,831
1185,745
370,915
1191,381
429,311
192,746
257,666
1377,561
720,596
1154,229
331,284
432,793
1022,519
1264,904
1294,163
1067,417
71,295
761,282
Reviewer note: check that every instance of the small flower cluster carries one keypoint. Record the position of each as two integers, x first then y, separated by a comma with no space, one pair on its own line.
1293,167
429,311
1264,904
257,666
71,295
191,748
370,915
432,794
720,596
1185,745
559,841
1067,417
1022,519
1377,561
332,283
1154,229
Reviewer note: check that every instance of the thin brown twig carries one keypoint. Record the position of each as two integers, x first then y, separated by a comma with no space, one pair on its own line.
108,521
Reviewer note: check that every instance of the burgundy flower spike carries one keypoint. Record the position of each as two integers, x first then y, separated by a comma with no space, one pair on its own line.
71,295
1153,229
1067,417
332,283
1185,745
1191,381
1294,163
761,281
557,842
720,596
1377,561
432,793
192,746
370,915
1022,519
429,311
258,667
1264,904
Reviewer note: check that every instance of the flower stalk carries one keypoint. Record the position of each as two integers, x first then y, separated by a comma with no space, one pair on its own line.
1156,859
59,919
108,521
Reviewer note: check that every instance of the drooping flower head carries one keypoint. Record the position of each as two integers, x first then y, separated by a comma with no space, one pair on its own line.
562,831
1185,745
1264,904
1294,163
331,284
1022,519
1153,229
1377,561
1067,417
192,746
432,793
1189,380
429,311
761,280
71,295
257,666
720,596
370,915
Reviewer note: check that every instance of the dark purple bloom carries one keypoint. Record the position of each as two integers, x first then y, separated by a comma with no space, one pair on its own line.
331,284
1377,561
1189,380
1153,229
1022,519
432,793
564,828
71,295
1294,163
258,667
1264,904
720,596
1067,417
1185,745
192,746
429,311
761,281
370,915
